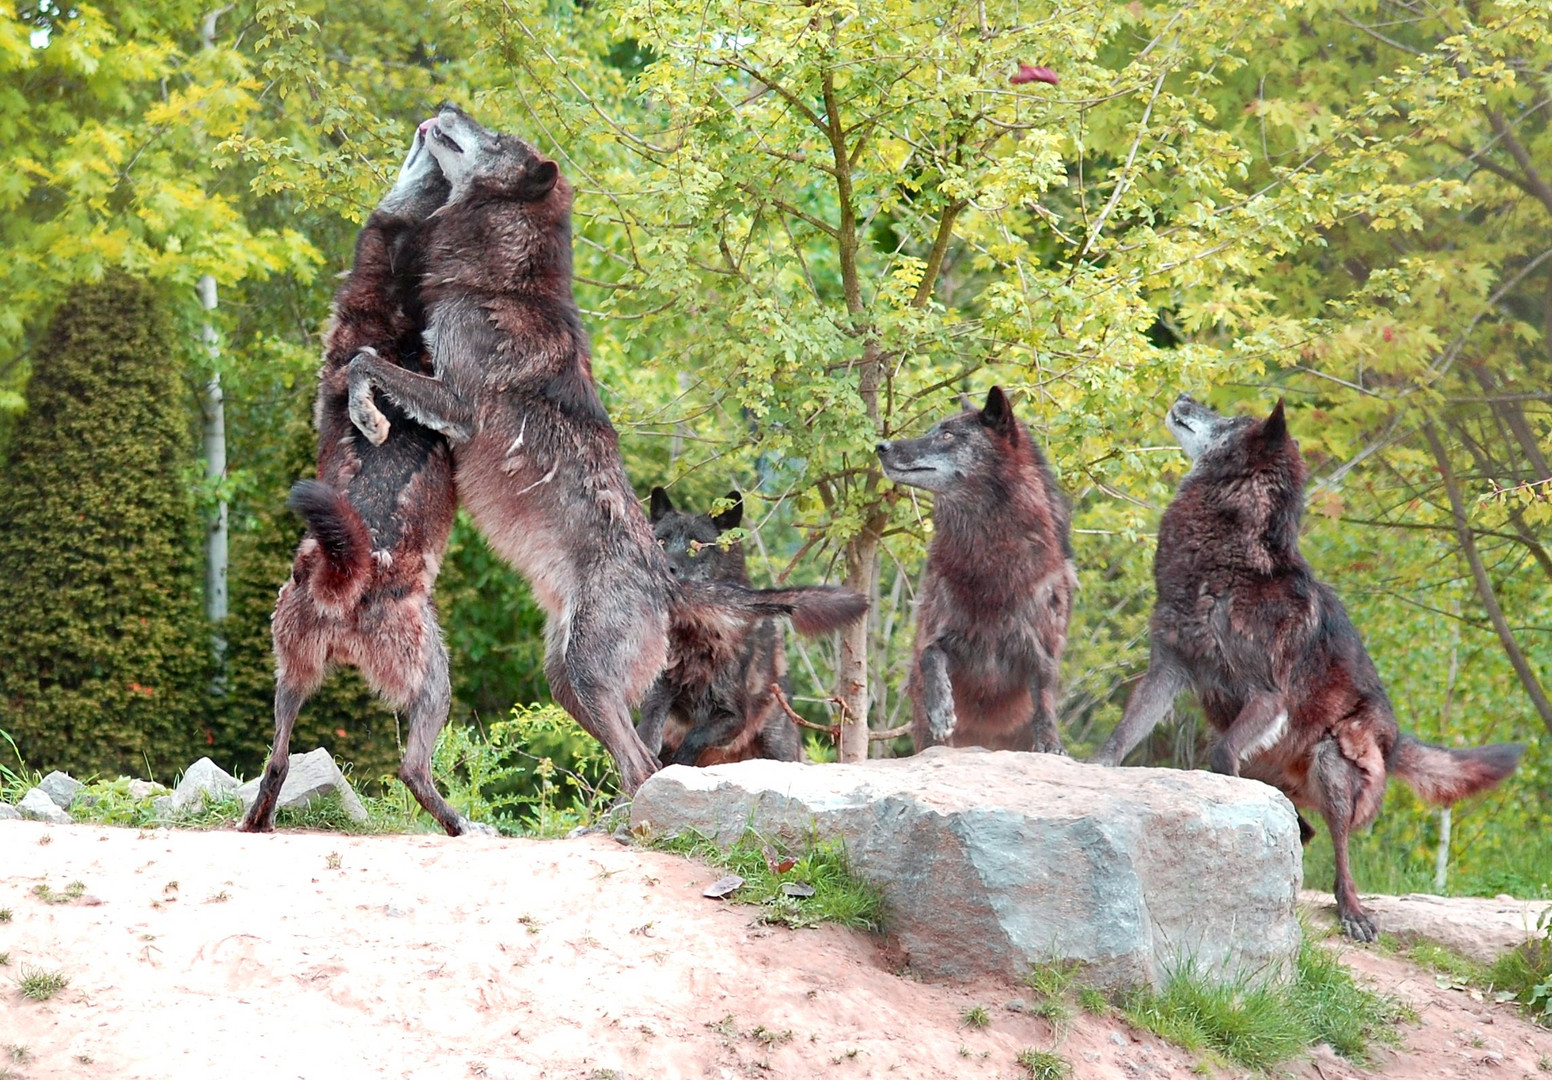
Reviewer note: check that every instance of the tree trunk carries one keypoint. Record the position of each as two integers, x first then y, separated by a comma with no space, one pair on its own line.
213,406
852,672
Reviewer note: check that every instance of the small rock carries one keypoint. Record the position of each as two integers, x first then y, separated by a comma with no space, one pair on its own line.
9,812
799,889
61,788
39,806
162,807
623,835
1117,1038
203,778
396,909
723,887
1091,1056
1016,1006
144,789
310,775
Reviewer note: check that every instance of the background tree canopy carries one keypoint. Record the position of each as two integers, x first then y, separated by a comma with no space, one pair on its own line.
800,228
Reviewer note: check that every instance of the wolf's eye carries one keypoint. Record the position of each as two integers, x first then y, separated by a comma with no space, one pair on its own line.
945,436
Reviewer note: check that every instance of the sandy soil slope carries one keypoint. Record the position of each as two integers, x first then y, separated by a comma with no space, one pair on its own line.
324,956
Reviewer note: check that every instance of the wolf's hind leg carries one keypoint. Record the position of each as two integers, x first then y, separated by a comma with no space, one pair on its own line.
428,711
717,730
289,698
1144,709
1259,725
1338,785
584,668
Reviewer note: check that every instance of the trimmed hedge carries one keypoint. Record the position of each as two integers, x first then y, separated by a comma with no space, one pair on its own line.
104,650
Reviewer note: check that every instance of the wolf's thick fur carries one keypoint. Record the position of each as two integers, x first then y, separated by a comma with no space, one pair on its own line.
378,517
716,700
537,460
996,595
1269,650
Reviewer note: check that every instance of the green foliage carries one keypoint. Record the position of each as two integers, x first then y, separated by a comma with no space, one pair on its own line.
1526,973
40,984
1257,1025
840,896
108,654
1044,1064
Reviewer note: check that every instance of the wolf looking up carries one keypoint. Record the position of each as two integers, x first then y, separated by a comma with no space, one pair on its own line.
1280,671
378,517
716,699
537,460
996,595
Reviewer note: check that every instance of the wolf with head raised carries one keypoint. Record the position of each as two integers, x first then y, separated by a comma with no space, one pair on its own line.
716,700
996,595
378,516
1279,669
536,460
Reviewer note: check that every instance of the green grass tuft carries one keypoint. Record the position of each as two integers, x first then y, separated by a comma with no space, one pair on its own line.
976,1017
1044,1064
1258,1025
1093,1001
840,896
40,985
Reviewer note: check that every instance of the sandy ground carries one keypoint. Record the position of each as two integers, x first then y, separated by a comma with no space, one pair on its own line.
329,957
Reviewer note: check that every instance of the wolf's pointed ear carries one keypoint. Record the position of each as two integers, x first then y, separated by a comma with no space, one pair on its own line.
539,180
734,514
1275,431
662,505
997,414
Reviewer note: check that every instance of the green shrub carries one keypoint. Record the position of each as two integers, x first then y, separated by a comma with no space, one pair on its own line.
107,650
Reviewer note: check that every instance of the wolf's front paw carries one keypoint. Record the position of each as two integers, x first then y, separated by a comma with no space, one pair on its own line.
364,412
1051,746
1357,925
942,727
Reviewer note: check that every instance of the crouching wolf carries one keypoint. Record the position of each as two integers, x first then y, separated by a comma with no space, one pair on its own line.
996,594
377,517
537,461
716,700
1269,650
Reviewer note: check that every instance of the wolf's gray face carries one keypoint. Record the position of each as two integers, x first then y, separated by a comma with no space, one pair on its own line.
470,154
1198,429
421,188
691,540
953,449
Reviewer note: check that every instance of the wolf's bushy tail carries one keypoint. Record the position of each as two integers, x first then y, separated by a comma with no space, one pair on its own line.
343,540
813,609
1443,775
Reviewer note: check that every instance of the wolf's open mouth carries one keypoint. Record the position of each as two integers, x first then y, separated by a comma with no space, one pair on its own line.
1180,421
446,138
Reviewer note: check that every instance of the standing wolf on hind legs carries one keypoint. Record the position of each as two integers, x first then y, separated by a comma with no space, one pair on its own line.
378,517
1269,650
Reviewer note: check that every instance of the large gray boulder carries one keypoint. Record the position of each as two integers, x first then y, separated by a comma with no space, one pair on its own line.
994,862
37,805
62,788
203,778
308,777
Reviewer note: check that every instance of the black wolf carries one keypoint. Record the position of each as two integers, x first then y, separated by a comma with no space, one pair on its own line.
1269,650
996,595
377,517
537,460
716,700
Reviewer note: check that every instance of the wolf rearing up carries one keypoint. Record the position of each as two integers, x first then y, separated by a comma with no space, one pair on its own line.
716,700
378,517
537,461
1279,669
996,595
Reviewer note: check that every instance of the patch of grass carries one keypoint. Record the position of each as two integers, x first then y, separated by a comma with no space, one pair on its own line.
1258,1025
5,959
1051,981
1044,1064
40,985
1517,861
976,1017
72,892
19,1053
1459,969
5,914
1526,973
1093,1001
840,896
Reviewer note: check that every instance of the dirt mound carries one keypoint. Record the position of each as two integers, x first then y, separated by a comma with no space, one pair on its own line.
323,956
